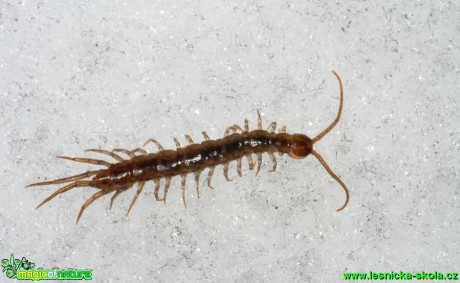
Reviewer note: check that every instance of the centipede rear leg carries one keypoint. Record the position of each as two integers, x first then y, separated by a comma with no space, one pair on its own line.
66,180
65,189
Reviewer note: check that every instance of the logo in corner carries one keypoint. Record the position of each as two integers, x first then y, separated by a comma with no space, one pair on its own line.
22,269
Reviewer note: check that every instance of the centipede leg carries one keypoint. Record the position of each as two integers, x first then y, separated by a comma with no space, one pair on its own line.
160,147
125,151
183,179
226,166
259,120
246,125
271,128
157,189
250,161
90,201
210,173
189,139
259,162
273,159
106,152
65,189
140,186
165,192
232,129
227,131
87,160
197,180
140,150
177,143
117,193
238,167
205,135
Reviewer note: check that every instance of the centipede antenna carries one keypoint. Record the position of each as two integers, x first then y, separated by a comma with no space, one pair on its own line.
321,160
332,125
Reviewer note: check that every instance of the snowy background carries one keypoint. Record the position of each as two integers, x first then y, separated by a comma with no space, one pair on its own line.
78,75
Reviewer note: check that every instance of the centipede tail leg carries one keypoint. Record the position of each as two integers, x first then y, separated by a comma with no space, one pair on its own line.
205,135
87,160
66,180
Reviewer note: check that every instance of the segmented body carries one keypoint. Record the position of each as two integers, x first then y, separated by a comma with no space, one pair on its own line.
236,144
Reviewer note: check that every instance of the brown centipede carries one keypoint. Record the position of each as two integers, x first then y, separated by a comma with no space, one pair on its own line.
237,143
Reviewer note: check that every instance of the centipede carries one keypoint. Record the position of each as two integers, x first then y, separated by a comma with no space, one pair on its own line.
140,166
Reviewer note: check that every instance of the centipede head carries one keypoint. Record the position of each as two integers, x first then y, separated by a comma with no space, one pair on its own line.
301,146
